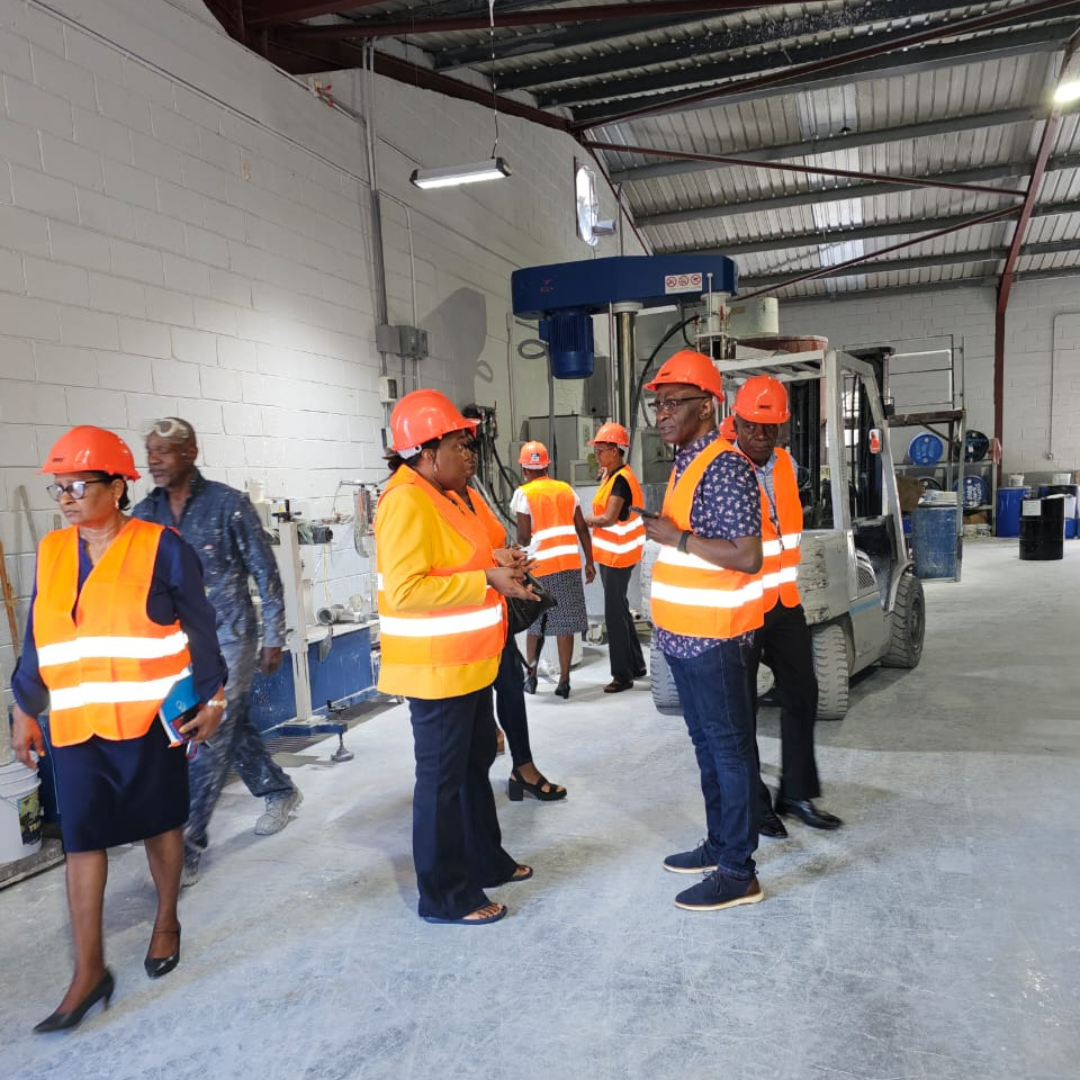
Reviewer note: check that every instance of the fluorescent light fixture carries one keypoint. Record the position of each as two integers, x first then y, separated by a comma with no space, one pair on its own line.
1068,89
452,175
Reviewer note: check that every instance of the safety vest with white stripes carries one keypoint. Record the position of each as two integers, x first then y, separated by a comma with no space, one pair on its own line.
108,666
622,543
691,596
781,534
554,543
437,652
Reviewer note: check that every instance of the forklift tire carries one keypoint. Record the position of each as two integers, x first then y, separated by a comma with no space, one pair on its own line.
831,669
665,695
908,625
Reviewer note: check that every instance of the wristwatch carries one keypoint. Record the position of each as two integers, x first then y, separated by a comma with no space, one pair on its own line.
684,540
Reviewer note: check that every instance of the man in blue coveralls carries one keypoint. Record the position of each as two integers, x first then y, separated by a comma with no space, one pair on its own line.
221,525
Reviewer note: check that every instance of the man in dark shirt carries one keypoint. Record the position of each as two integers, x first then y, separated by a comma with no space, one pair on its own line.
221,525
706,601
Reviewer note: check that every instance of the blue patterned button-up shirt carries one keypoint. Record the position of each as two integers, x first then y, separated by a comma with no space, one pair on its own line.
220,523
727,506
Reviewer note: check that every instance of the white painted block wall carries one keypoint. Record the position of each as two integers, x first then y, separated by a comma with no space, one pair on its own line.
1042,356
184,230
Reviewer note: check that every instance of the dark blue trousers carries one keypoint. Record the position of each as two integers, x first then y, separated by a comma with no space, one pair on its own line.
716,706
457,845
510,703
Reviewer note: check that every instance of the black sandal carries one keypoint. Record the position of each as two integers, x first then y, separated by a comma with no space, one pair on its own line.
517,789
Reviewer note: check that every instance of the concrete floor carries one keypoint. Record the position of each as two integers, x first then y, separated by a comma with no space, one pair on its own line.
935,936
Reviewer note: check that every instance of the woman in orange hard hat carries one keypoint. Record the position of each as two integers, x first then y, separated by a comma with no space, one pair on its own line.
551,527
618,539
442,625
119,626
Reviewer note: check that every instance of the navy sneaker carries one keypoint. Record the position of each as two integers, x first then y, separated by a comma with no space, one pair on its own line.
698,861
718,891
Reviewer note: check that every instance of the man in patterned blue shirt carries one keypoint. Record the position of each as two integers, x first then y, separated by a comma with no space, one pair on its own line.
221,525
706,601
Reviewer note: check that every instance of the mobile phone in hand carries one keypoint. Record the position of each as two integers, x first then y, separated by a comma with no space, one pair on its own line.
643,512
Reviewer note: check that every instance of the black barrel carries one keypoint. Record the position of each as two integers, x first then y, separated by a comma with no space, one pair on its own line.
1042,529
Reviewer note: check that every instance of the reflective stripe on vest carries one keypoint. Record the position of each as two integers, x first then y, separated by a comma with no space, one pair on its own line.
108,666
554,541
780,563
443,637
623,542
691,596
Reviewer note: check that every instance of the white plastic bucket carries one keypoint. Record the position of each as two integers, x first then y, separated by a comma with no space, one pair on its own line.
20,812
1016,479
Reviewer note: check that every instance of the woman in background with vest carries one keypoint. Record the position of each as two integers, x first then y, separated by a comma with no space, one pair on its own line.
550,526
784,642
618,540
442,622
119,616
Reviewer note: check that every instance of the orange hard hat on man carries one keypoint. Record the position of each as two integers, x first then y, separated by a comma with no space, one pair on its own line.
762,400
422,416
689,368
534,455
91,449
727,428
612,433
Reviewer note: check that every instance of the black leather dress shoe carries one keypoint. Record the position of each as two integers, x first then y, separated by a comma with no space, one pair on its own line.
771,825
807,813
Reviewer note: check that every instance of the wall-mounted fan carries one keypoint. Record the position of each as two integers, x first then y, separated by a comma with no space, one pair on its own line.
589,225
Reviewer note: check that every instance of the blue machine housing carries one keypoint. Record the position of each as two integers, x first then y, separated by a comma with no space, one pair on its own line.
564,296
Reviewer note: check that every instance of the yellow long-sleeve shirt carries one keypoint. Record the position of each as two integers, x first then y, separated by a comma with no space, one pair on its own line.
414,537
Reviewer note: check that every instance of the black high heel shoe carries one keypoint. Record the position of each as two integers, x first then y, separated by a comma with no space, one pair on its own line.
529,685
563,689
62,1021
156,966
517,789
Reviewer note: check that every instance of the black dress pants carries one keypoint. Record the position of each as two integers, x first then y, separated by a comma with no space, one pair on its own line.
510,703
457,845
624,648
784,644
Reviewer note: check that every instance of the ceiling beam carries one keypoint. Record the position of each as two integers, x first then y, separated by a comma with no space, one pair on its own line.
717,39
823,238
915,61
396,27
837,143
870,264
799,72
268,12
805,170
852,191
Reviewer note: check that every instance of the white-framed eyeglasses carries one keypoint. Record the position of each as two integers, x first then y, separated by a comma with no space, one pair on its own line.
76,489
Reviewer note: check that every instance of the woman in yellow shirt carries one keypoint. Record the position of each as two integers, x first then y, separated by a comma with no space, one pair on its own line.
442,622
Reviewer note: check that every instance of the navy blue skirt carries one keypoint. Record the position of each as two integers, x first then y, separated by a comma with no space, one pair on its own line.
111,792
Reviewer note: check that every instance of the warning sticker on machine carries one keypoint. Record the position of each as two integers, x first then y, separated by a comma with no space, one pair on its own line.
676,283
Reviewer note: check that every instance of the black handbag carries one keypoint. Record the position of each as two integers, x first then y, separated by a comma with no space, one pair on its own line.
521,614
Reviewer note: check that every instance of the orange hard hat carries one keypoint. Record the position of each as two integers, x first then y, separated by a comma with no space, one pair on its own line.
534,455
422,416
612,433
762,400
727,428
691,368
91,449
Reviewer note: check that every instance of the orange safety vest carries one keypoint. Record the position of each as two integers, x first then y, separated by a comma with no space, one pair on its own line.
622,543
107,664
554,536
495,529
693,597
781,534
444,652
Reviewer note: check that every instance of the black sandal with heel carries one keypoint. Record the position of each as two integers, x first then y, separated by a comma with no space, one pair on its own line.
517,789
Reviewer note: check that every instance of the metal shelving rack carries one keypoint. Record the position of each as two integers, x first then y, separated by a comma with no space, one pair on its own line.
949,425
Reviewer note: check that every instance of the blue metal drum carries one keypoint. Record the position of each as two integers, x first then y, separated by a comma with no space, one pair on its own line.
925,449
936,543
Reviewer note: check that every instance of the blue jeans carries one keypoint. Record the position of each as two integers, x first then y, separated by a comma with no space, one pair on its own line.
238,743
716,706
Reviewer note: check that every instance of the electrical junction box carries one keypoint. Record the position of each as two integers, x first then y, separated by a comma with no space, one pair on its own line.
389,389
408,341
